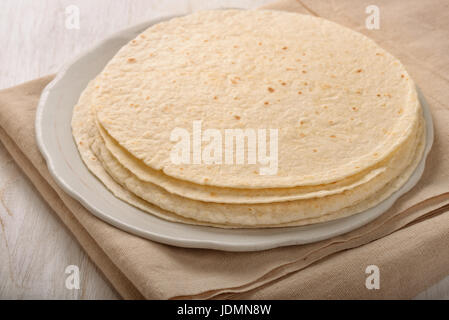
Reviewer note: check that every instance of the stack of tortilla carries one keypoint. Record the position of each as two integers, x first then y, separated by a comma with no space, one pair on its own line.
349,123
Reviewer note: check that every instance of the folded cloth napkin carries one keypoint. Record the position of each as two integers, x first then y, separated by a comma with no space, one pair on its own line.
408,243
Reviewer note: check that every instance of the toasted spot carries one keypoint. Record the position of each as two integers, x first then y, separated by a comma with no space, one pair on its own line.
132,60
299,92
333,136
215,97
270,89
284,48
304,71
359,70
266,103
237,117
355,108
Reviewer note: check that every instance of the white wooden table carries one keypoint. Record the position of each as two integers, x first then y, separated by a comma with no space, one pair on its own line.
35,247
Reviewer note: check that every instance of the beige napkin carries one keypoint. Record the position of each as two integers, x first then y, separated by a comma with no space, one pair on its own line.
408,243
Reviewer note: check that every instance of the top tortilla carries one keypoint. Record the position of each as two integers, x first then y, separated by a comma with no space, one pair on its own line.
340,102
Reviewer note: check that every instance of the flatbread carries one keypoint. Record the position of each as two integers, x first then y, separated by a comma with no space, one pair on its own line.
350,125
340,102
84,131
242,214
229,195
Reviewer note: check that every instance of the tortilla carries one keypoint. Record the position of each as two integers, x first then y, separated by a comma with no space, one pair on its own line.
349,124
341,103
245,214
229,195
86,137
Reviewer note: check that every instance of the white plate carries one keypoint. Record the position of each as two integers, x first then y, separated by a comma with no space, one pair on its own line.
55,141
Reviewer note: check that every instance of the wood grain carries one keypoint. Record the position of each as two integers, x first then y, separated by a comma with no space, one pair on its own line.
35,247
